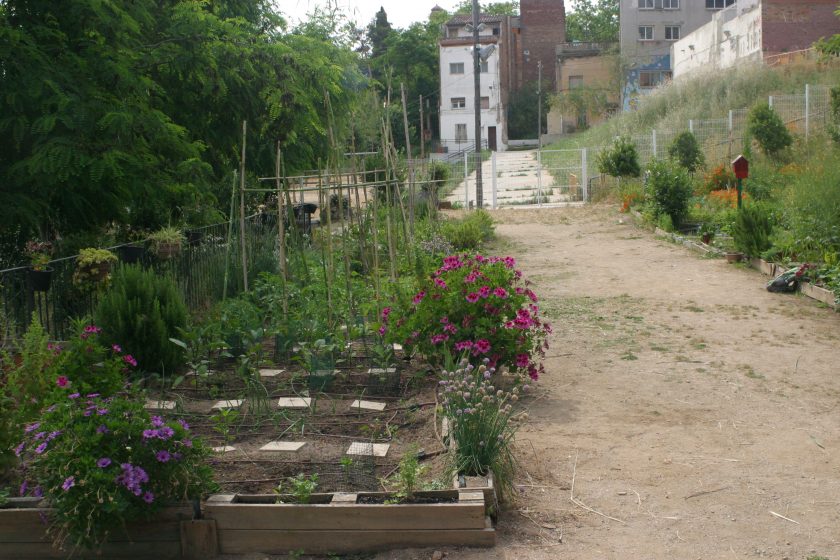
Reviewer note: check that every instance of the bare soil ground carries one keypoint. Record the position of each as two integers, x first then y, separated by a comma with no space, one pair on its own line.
695,409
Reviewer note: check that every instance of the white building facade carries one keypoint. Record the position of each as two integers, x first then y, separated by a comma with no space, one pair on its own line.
457,91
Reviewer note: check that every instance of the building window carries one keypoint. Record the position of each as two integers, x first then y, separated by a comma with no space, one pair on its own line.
575,82
646,4
645,33
484,67
460,133
650,79
459,102
672,32
671,4
456,67
485,102
718,4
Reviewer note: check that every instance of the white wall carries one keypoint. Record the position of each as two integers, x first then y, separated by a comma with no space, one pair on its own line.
462,85
733,36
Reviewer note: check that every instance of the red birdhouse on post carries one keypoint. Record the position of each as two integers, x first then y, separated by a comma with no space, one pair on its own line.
741,167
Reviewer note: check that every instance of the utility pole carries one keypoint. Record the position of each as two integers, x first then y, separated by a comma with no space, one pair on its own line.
479,195
422,132
539,105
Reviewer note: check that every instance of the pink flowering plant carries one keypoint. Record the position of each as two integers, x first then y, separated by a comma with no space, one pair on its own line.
477,305
103,462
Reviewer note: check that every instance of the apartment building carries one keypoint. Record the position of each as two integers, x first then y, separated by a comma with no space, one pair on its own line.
648,28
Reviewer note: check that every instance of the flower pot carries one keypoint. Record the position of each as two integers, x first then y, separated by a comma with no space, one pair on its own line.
96,272
166,251
734,257
39,280
131,254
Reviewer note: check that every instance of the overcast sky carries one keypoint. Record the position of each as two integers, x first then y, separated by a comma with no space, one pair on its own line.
401,13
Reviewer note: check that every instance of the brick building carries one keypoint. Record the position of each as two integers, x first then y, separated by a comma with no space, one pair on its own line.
543,27
752,31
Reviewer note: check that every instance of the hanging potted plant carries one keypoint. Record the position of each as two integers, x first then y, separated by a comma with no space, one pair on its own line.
39,273
93,266
166,242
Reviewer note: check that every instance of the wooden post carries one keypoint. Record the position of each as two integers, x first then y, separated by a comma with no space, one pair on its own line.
410,166
281,230
422,132
199,539
242,209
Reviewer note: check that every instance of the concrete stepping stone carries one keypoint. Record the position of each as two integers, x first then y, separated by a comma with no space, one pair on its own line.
368,405
380,371
223,449
159,405
294,402
368,449
271,372
233,403
284,446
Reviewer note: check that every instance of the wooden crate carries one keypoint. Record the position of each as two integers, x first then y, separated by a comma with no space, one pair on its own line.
250,524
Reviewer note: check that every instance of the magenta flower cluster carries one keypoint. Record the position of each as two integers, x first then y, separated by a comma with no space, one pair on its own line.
475,305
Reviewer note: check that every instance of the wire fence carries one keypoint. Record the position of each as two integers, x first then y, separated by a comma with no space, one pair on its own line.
207,268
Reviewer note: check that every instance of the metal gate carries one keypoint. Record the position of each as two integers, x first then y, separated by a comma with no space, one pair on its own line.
526,178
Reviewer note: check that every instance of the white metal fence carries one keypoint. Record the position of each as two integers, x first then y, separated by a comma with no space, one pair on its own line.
558,177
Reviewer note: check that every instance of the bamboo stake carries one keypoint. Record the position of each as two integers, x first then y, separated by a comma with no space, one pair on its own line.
410,166
281,233
242,209
229,235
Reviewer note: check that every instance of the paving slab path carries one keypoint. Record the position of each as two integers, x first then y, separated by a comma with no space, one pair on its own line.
696,413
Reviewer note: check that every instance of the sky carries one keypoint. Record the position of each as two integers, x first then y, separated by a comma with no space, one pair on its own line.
401,13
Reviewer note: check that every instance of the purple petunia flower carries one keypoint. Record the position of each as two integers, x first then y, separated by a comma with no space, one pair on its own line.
129,359
41,448
102,429
165,433
184,424
103,462
149,434
40,435
38,492
157,421
32,427
163,456
102,411
73,396
24,487
116,348
69,483
19,449
148,497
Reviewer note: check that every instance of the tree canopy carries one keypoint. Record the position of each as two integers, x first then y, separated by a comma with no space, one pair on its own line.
130,111
592,20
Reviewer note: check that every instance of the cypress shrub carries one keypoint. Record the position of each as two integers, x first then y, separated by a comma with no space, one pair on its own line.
141,311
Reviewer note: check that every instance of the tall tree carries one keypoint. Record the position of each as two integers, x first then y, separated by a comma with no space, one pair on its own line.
592,20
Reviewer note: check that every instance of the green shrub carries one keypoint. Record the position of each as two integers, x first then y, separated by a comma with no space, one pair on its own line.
620,159
751,230
142,311
813,200
668,191
238,317
686,151
470,232
765,125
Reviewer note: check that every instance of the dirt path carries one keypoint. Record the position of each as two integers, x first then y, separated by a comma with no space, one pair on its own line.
682,399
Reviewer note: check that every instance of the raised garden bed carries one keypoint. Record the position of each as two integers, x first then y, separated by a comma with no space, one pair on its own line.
249,524
23,534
